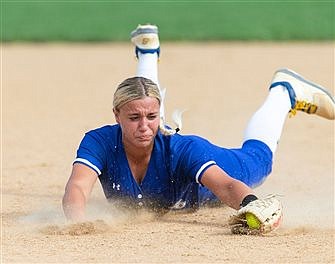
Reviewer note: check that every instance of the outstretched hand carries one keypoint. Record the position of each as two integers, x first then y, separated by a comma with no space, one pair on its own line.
257,217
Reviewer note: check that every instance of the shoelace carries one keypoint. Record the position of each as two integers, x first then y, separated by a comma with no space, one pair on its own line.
304,106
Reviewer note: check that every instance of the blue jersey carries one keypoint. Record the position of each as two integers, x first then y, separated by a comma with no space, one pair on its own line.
173,177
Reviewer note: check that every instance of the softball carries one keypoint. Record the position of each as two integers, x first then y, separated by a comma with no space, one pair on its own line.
252,221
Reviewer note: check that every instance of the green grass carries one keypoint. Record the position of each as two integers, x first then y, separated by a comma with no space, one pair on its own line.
182,20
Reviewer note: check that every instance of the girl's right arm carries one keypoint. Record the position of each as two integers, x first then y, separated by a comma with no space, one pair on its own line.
77,192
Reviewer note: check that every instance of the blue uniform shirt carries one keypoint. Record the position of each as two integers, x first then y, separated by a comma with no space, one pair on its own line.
173,177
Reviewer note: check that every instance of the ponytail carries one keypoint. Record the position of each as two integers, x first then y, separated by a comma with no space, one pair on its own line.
177,120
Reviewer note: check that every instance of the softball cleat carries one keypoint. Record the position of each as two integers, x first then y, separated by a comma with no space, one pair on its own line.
305,95
145,38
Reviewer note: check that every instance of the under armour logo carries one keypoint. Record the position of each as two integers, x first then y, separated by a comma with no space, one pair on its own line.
116,186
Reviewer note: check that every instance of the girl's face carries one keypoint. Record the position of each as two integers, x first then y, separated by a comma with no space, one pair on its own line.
139,121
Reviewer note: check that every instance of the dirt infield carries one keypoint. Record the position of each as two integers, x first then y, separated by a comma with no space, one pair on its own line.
53,93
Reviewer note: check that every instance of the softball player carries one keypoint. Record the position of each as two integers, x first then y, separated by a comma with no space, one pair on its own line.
142,162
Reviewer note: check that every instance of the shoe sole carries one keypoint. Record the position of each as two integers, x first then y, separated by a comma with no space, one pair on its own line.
302,79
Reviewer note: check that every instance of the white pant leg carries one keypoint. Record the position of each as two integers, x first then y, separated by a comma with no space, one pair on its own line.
267,123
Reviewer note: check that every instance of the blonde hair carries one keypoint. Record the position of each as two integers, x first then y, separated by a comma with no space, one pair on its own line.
138,88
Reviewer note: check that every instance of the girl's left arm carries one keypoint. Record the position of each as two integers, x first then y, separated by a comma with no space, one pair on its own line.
229,190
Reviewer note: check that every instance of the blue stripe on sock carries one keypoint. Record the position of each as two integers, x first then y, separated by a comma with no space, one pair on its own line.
290,90
143,51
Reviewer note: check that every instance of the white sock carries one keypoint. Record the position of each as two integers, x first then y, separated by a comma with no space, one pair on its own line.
267,123
147,67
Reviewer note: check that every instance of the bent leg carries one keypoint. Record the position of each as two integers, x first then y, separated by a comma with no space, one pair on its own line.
147,49
289,92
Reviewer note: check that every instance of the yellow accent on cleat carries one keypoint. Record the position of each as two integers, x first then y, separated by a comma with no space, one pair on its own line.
305,95
304,106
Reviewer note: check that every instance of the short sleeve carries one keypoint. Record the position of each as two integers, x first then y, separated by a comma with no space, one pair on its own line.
91,152
194,157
